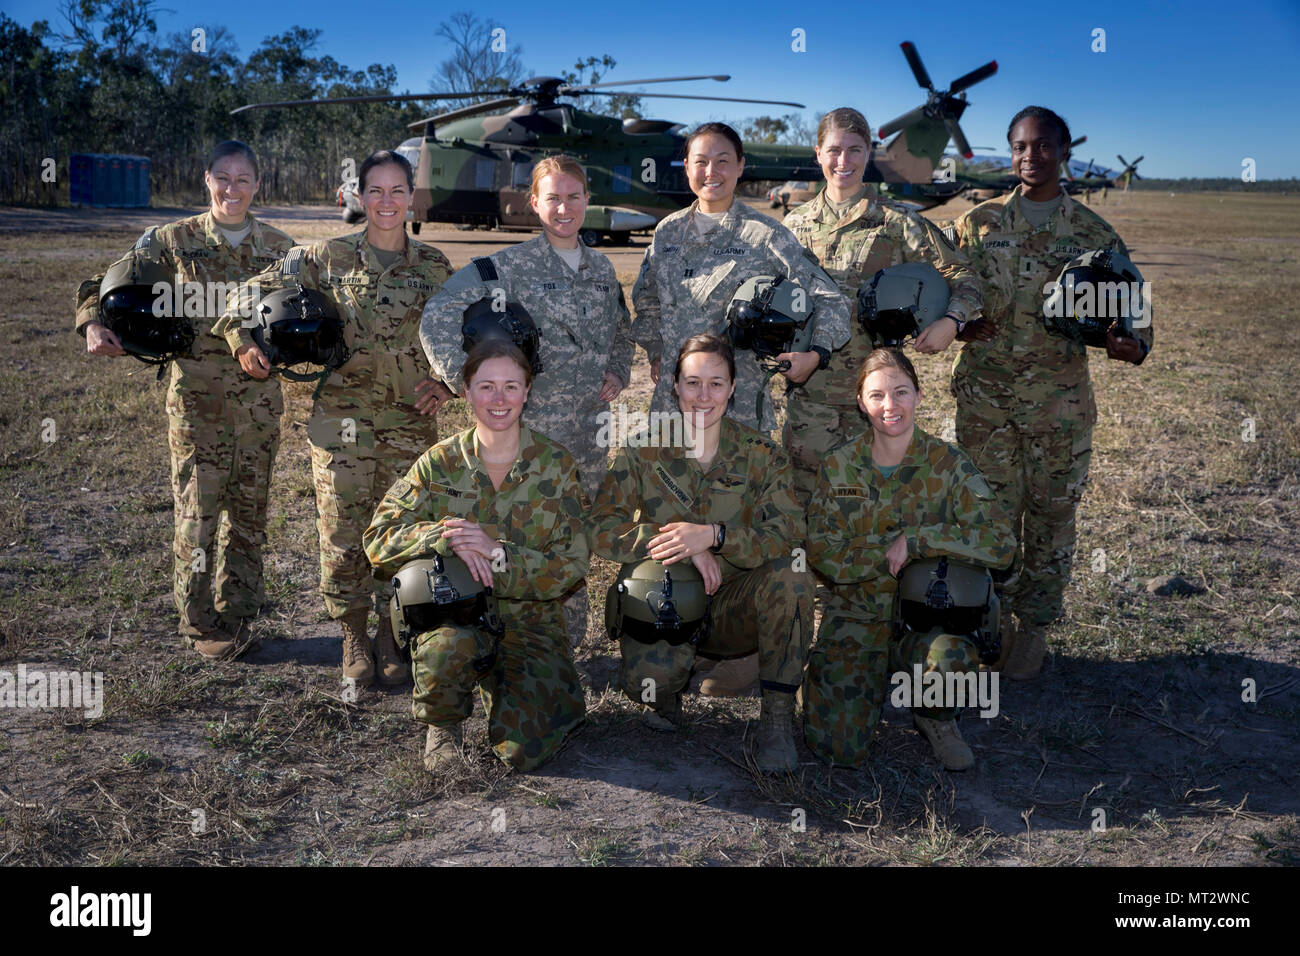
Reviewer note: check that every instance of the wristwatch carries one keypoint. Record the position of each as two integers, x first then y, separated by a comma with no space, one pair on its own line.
825,356
961,323
722,537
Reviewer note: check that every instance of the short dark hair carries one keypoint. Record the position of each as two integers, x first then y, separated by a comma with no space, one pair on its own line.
887,358
1043,113
385,157
495,348
716,129
233,147
713,344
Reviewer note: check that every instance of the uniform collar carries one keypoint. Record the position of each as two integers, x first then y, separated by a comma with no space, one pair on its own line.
366,258
867,207
529,450
558,265
1013,217
212,230
730,219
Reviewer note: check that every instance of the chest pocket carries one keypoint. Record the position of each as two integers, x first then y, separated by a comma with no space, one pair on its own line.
531,522
727,498
710,288
451,502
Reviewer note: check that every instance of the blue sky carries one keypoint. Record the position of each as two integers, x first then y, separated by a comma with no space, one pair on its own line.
1196,87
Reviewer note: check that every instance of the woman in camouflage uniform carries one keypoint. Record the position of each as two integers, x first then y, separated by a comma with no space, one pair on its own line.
723,501
373,417
886,497
854,234
507,500
701,255
223,428
1025,409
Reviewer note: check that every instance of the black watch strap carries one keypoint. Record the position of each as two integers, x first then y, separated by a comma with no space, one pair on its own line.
825,356
722,538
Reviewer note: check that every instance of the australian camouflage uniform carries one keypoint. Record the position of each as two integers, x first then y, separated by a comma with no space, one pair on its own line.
584,327
365,431
531,691
223,426
687,282
1025,407
764,602
935,497
871,235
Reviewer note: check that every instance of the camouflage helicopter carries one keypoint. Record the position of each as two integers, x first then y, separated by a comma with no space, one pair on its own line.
477,172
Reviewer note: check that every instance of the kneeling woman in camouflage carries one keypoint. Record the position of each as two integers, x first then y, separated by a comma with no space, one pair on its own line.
893,495
507,501
721,500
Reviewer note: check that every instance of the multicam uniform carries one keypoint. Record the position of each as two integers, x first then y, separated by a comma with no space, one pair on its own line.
939,500
1025,409
687,282
583,323
531,694
364,429
763,604
871,235
223,428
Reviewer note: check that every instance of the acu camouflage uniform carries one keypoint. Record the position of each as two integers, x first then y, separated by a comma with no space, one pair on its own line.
687,282
1025,409
939,500
223,429
531,693
873,234
764,602
583,323
364,431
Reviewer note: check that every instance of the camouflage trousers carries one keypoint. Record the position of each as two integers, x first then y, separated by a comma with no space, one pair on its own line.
223,431
849,678
531,692
812,430
768,609
359,449
1039,478
593,462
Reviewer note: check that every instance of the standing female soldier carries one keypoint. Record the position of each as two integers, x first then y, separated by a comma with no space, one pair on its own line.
506,500
367,423
574,299
701,255
724,501
890,495
1024,402
854,234
223,428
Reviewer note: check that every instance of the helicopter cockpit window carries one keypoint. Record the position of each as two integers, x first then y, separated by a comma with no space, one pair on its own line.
483,173
522,175
621,179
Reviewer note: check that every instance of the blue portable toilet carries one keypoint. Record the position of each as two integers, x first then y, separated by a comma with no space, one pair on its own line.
108,181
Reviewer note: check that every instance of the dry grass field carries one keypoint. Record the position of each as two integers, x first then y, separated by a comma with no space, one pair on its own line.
1139,714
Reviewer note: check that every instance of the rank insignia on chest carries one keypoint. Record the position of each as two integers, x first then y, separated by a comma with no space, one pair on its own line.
601,287
672,486
688,273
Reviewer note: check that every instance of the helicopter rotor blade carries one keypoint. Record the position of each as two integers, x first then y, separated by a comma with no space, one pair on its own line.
1121,159
907,119
918,68
1078,142
466,111
958,138
973,77
662,79
692,96
1139,159
378,98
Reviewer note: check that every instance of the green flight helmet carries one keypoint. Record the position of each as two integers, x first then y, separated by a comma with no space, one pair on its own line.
1094,291
770,315
434,592
900,301
138,300
652,602
939,594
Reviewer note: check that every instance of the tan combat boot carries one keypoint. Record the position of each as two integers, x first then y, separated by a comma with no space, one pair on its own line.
945,738
222,645
1026,658
665,716
442,747
389,663
774,750
731,678
358,660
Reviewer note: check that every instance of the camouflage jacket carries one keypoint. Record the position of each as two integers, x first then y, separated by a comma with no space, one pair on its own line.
537,515
873,234
581,317
687,281
380,309
936,497
210,268
1025,371
748,487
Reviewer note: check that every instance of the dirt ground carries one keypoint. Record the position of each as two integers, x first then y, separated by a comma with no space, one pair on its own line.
1164,729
